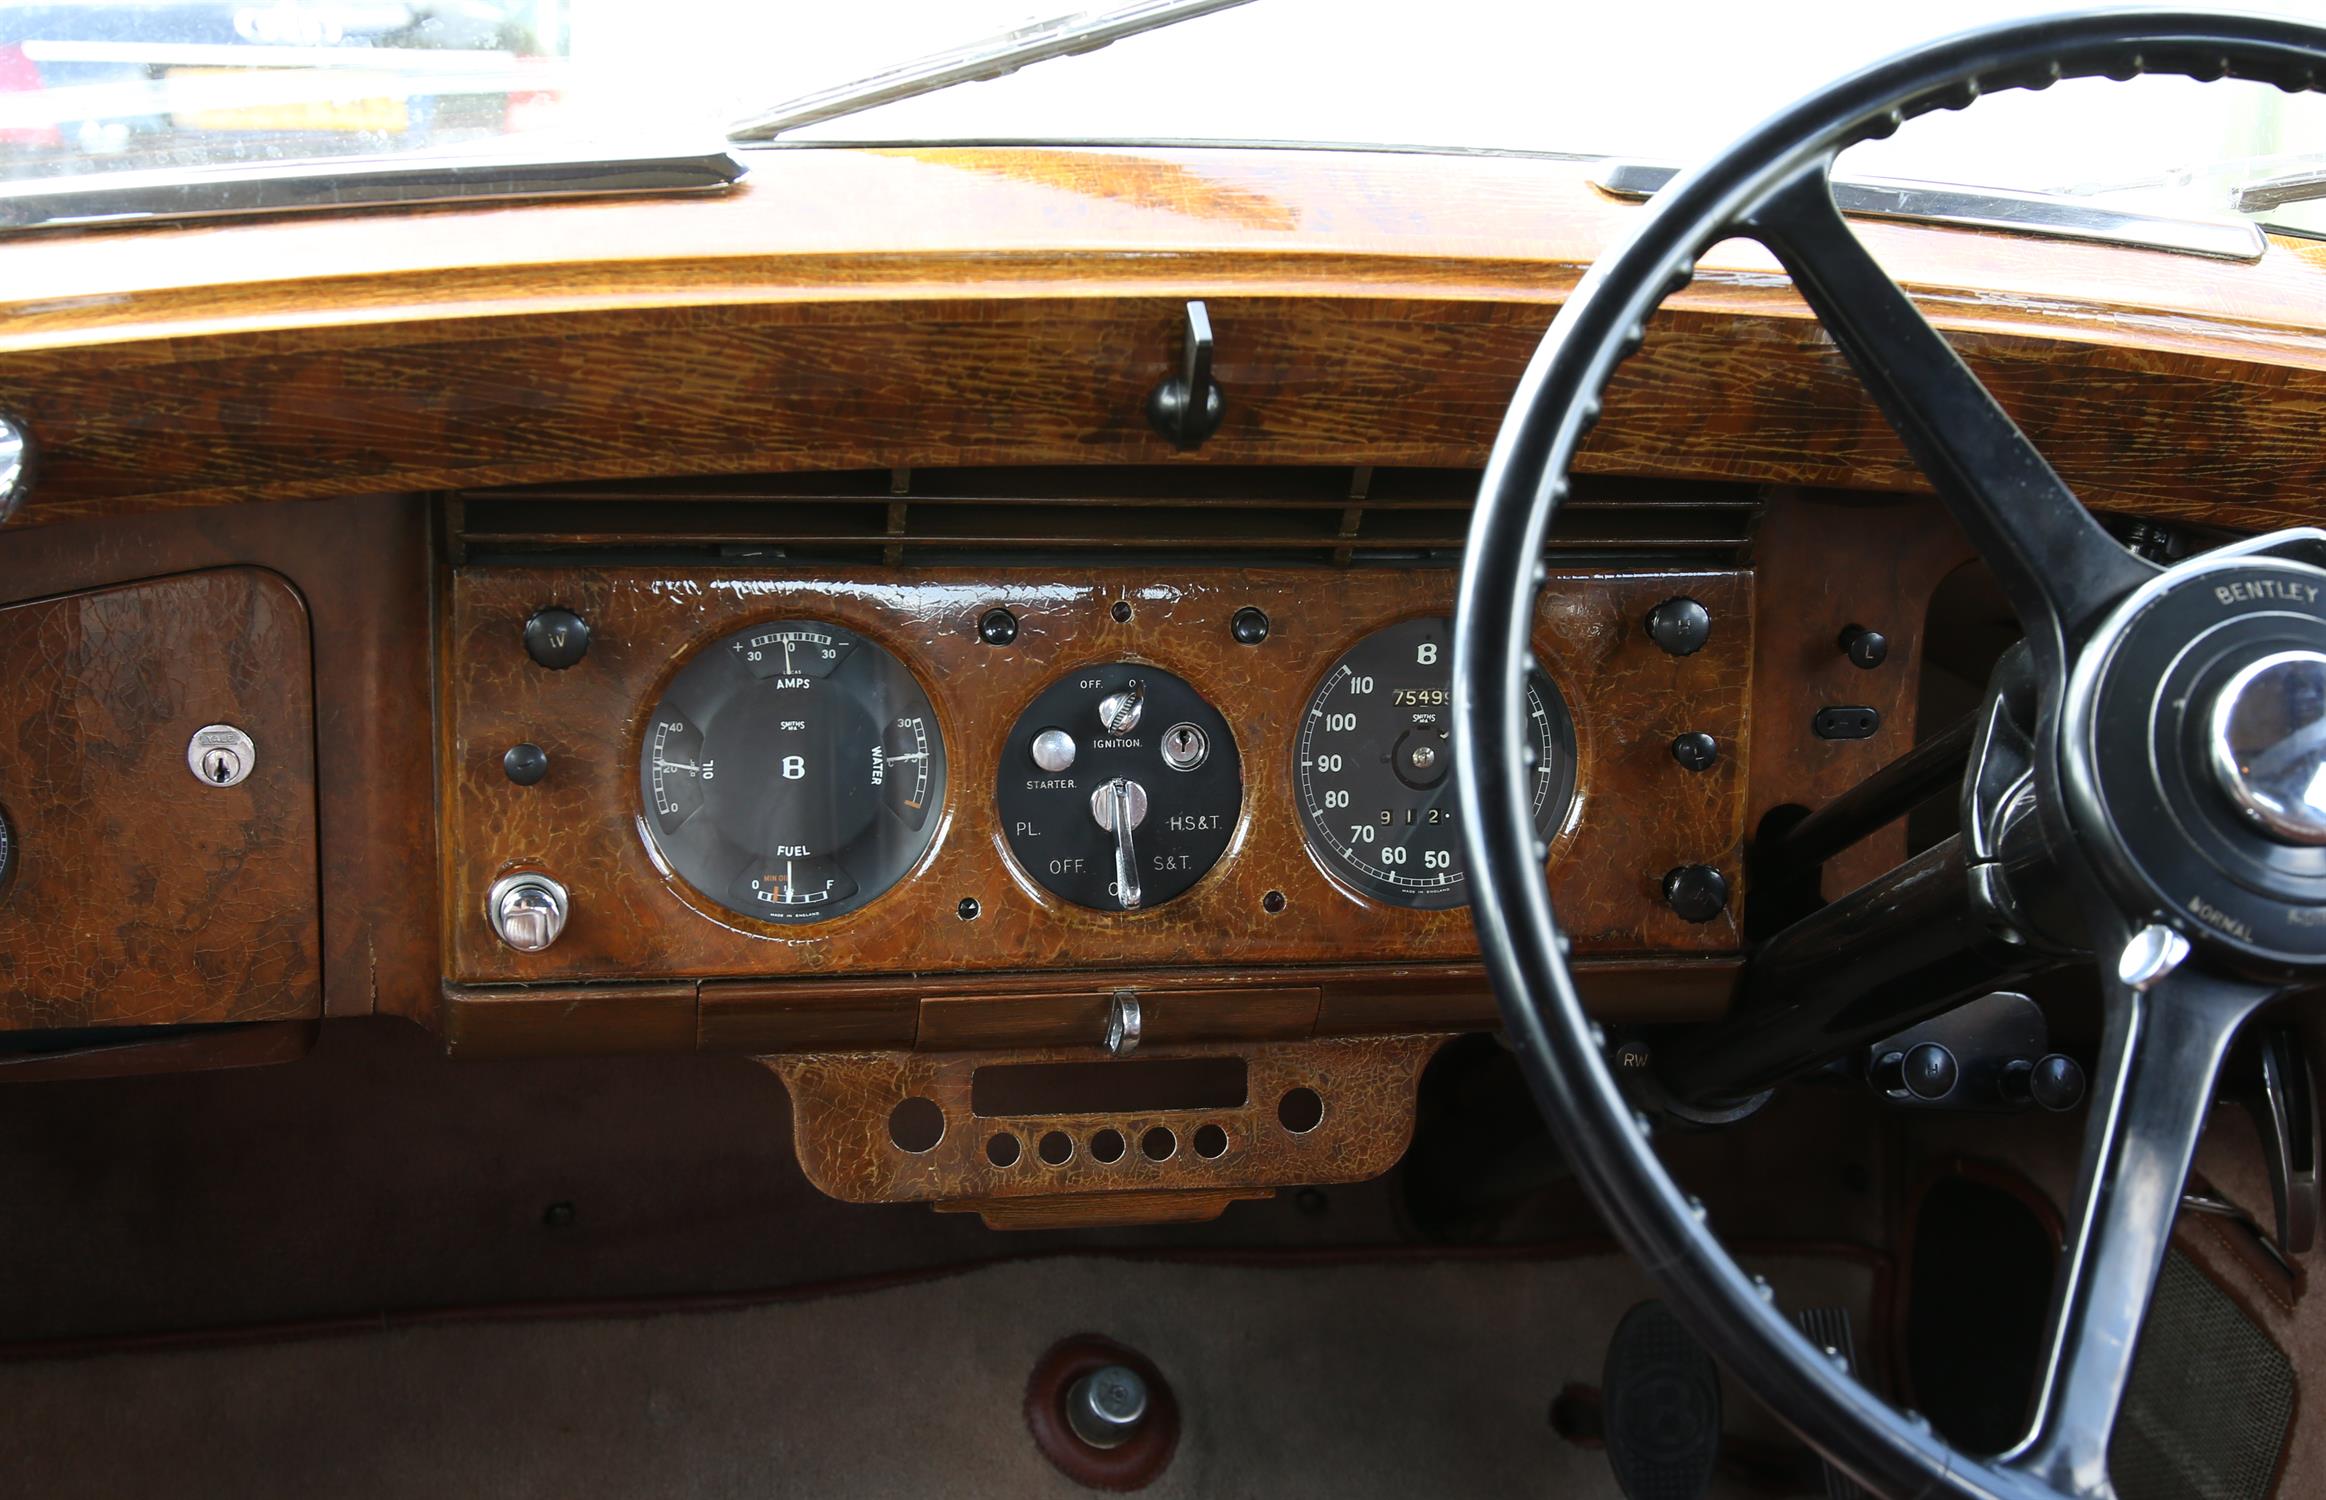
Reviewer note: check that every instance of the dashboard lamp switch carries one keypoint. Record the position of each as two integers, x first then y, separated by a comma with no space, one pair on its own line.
1054,750
1697,892
527,910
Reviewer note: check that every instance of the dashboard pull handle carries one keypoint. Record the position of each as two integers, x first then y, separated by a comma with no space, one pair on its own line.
1186,408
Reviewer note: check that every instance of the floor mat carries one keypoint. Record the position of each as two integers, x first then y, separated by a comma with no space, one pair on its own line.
1297,1376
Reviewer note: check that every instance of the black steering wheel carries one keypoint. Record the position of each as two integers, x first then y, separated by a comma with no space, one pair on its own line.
2172,771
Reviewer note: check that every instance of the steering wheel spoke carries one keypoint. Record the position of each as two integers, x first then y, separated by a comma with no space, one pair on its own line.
2162,1055
2057,565
2148,828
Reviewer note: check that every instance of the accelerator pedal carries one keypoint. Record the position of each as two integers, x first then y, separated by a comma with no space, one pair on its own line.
1661,1407
1829,1329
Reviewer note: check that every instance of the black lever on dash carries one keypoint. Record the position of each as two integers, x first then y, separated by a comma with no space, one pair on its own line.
1186,408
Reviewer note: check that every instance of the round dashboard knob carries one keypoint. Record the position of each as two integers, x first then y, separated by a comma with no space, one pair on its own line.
2268,745
527,910
1054,751
556,637
1927,1071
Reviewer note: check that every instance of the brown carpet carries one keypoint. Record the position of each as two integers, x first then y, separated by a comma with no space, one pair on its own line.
1298,1376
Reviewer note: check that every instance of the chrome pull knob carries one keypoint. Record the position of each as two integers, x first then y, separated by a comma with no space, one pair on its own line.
1054,751
527,910
2268,745
1122,1024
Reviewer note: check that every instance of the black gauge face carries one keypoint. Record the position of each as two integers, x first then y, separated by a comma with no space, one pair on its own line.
1374,766
1103,741
792,771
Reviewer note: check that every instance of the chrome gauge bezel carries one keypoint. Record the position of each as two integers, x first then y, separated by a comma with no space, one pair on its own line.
1551,735
906,697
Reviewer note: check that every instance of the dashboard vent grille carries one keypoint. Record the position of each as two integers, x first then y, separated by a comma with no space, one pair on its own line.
1343,516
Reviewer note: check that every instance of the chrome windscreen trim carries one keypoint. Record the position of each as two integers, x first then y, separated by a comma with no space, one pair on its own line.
327,186
1993,208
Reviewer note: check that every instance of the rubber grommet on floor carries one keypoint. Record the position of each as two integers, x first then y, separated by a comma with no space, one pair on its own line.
1135,1463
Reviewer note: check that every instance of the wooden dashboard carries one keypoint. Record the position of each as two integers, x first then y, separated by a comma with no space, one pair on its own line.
366,448
1267,901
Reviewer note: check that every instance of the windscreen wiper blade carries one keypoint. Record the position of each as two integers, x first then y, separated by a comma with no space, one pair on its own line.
992,57
2306,186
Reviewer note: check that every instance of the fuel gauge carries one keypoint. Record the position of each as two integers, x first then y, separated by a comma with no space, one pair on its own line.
790,771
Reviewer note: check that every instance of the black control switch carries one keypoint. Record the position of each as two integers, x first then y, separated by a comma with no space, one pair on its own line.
1681,626
1846,721
1250,626
1927,1072
525,764
1865,648
2055,1082
556,637
998,627
1696,750
1697,892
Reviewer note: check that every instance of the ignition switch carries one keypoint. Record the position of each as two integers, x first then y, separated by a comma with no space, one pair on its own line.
1119,787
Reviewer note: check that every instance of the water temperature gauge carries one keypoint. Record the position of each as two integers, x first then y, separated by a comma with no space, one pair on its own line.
792,771
1119,787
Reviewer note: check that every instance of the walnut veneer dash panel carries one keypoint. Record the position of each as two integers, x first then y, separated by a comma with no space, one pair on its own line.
361,567
1638,813
842,1102
141,897
878,308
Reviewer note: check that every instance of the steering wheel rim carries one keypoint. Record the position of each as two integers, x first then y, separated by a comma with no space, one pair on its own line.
2084,602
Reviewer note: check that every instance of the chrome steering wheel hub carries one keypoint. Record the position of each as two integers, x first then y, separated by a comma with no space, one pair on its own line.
2268,744
2194,735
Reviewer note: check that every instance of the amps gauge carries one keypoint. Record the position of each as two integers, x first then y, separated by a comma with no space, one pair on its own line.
792,771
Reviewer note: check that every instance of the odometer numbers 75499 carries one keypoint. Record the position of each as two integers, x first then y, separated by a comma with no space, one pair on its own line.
1374,763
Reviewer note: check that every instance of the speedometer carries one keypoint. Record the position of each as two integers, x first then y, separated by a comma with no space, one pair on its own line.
1374,766
792,771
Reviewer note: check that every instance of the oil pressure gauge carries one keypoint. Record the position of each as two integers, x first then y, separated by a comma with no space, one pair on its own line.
792,771
1119,787
1373,766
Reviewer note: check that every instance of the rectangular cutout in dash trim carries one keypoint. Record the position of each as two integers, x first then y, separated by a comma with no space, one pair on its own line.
1098,1088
